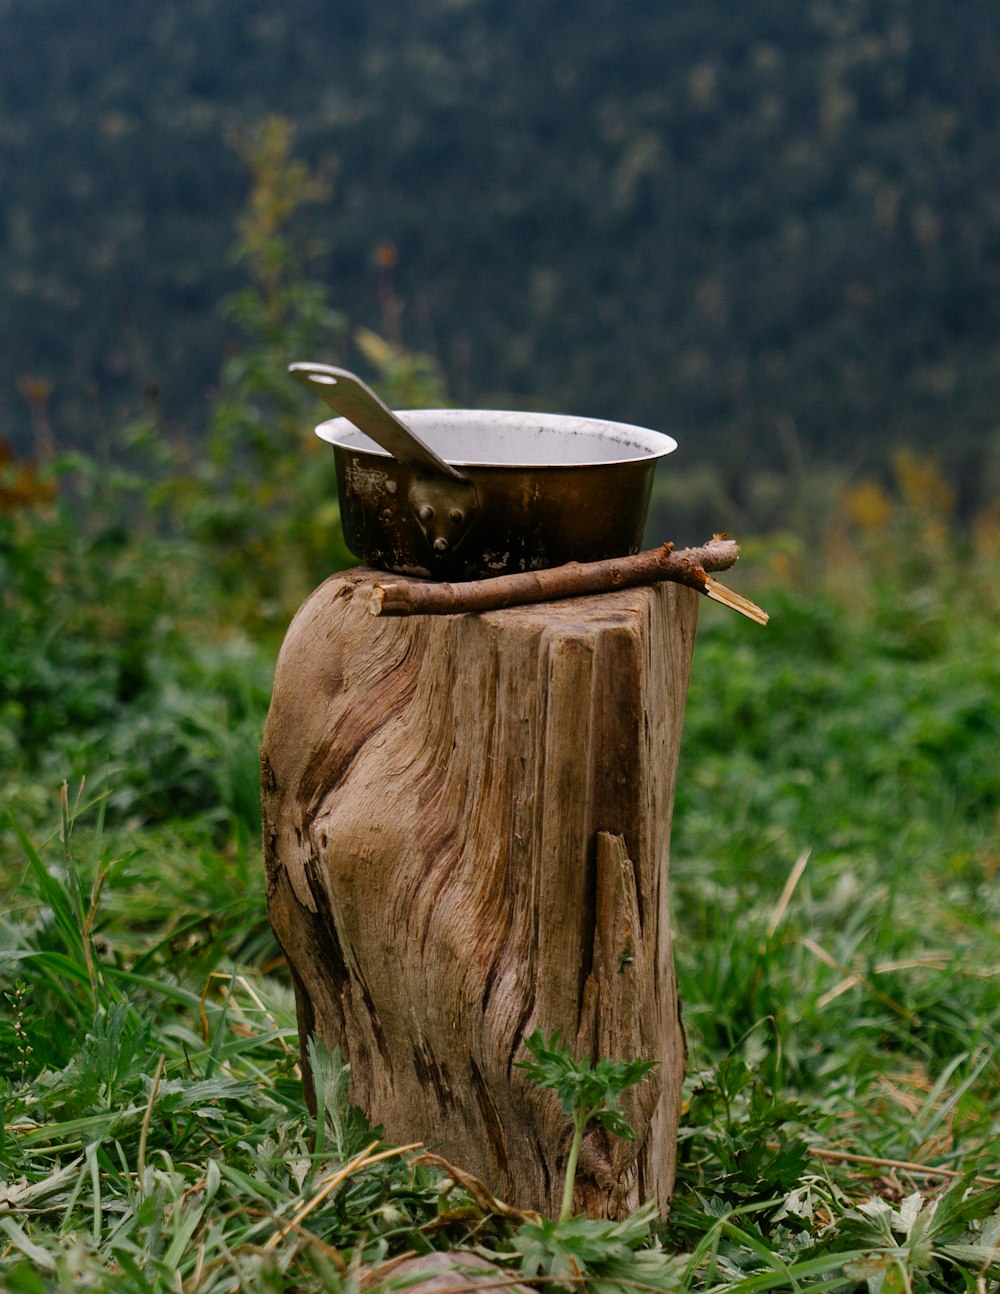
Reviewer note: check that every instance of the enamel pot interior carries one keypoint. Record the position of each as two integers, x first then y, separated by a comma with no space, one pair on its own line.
550,488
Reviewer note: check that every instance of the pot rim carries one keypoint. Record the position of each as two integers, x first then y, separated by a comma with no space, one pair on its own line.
528,434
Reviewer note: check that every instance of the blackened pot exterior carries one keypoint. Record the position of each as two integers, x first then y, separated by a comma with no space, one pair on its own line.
529,516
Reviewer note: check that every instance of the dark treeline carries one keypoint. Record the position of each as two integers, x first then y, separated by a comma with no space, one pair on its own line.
771,228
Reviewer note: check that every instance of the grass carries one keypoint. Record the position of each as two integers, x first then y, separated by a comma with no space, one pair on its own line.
836,911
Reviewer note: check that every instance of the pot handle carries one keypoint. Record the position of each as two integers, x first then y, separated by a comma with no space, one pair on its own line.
443,499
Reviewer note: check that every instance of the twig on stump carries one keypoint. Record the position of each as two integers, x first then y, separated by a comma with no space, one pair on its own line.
688,566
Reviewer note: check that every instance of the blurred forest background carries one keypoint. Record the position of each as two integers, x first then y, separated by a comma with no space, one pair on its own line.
772,229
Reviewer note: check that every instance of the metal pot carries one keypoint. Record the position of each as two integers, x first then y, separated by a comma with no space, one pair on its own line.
462,493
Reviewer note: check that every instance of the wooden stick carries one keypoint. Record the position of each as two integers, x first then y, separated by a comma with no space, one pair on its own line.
688,566
903,1165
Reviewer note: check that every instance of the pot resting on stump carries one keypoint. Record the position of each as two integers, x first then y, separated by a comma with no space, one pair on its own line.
466,828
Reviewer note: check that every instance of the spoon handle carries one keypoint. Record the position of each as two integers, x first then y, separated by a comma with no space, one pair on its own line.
358,403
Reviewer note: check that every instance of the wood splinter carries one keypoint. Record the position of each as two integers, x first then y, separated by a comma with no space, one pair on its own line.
688,566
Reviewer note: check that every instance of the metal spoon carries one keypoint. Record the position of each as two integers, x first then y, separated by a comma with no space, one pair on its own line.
443,498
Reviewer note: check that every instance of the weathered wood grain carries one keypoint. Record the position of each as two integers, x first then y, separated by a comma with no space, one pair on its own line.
466,830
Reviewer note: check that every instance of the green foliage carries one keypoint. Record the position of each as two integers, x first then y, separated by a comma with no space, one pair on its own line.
925,1243
336,1117
85,604
818,753
265,492
115,662
159,1131
587,1093
747,1143
161,1128
606,1257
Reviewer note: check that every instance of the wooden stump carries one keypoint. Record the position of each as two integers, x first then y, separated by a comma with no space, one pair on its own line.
466,829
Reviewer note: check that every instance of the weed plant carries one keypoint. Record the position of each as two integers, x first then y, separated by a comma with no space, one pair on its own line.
834,890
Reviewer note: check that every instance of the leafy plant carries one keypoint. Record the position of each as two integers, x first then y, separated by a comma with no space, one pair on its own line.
739,1136
926,1243
263,495
587,1093
606,1257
